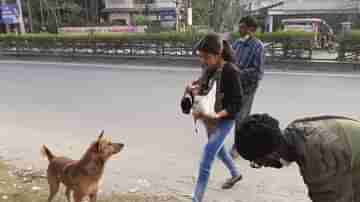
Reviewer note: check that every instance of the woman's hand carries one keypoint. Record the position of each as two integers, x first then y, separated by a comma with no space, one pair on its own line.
205,117
192,88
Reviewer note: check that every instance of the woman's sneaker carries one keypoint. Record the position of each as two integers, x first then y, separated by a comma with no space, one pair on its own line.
231,182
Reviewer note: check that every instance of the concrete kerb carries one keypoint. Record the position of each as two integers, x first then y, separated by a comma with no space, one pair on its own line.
190,62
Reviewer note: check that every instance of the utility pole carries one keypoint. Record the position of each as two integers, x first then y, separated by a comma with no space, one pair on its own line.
21,17
189,13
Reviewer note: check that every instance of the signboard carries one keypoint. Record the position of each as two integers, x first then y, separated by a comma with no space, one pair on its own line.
104,29
299,27
9,14
168,15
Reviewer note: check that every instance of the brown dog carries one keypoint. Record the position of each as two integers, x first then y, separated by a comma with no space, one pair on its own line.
81,177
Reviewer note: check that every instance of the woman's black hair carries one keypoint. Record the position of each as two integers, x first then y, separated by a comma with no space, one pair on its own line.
214,44
257,136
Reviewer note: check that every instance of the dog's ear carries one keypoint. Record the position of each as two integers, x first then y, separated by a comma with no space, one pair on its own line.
99,140
101,136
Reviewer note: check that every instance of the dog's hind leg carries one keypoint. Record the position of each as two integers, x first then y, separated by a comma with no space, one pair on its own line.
93,197
68,194
78,196
54,185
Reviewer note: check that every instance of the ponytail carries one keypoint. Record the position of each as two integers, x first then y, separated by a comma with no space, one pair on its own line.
227,53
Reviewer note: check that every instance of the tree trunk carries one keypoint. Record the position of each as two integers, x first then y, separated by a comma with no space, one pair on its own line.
41,15
225,15
30,15
218,18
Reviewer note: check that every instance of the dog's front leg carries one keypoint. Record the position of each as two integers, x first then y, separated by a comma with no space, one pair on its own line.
68,194
93,197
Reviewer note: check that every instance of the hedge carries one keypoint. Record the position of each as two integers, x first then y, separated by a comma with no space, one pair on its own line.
163,43
105,37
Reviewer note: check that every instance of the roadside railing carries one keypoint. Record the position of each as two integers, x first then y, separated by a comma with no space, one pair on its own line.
277,47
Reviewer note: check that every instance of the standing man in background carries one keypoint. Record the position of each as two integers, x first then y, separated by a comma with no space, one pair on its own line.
249,57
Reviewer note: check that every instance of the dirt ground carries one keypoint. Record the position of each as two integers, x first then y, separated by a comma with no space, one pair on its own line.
26,185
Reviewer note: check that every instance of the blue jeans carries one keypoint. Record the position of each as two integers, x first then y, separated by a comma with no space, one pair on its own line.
214,147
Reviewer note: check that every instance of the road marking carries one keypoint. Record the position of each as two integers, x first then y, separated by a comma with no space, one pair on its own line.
315,74
175,69
108,66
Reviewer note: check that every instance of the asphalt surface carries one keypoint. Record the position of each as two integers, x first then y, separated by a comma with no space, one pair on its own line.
66,105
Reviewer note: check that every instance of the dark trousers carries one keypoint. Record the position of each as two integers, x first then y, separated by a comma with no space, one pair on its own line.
244,112
245,109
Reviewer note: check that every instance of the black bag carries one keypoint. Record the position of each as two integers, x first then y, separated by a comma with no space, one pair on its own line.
187,102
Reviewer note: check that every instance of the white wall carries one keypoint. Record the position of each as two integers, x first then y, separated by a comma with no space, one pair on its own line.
119,4
130,4
165,4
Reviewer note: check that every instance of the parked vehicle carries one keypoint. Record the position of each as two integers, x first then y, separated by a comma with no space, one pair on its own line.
324,37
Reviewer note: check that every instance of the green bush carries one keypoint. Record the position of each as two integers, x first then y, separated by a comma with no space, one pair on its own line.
287,39
140,20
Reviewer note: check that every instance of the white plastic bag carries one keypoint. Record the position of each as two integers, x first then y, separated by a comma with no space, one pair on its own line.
205,104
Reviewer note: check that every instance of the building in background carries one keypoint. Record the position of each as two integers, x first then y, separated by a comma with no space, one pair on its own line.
124,12
334,12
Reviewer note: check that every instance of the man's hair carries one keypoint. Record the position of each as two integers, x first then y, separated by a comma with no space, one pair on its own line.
249,21
257,136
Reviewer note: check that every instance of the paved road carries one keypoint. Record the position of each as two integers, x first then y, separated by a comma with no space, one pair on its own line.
66,105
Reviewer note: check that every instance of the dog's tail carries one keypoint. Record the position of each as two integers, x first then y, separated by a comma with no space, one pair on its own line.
46,153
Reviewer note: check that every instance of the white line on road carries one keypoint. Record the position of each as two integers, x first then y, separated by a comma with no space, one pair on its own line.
97,65
176,69
316,74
